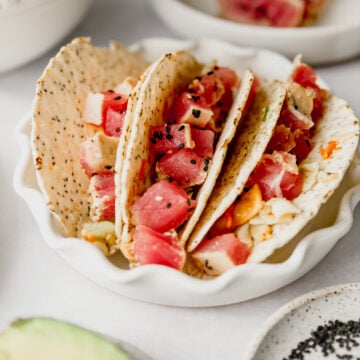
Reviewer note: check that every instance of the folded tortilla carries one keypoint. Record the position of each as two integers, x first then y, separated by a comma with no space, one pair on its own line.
165,80
321,174
58,125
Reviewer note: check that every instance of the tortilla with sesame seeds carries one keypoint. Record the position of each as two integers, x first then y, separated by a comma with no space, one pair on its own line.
58,127
165,78
339,125
249,146
335,141
173,72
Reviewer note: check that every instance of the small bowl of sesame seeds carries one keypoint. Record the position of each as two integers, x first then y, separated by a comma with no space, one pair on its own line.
323,324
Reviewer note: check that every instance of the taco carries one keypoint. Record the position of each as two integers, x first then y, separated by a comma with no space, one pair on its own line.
290,170
76,124
170,164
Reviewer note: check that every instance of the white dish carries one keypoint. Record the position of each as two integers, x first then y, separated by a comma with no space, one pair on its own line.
335,36
294,322
164,285
29,28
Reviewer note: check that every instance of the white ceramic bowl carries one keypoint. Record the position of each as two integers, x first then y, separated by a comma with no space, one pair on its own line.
335,36
29,28
164,285
294,322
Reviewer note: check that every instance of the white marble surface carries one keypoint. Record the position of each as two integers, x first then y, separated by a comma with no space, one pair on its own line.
35,281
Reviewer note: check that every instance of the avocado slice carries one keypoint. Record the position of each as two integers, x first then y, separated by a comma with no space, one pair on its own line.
44,339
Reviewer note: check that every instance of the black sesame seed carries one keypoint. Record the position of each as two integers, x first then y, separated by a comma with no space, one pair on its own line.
181,128
158,135
195,98
328,339
181,146
108,167
117,129
193,161
196,113
167,128
168,205
169,136
210,73
117,97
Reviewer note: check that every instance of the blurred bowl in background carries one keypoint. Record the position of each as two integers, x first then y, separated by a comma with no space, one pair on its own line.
333,37
29,28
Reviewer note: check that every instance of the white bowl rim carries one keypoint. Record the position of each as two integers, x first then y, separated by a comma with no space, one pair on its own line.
313,30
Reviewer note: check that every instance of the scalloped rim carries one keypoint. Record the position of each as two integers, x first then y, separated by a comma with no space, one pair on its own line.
162,285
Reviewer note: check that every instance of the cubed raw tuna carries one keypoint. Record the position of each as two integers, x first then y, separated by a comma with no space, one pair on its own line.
220,253
191,109
152,247
209,87
98,153
102,197
106,109
204,142
170,137
184,166
163,207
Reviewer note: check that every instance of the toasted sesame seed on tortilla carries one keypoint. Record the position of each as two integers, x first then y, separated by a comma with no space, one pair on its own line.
57,122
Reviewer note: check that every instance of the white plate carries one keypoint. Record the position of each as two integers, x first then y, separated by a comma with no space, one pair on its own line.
295,321
164,285
335,36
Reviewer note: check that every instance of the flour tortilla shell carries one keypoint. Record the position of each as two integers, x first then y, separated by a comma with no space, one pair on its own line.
249,145
165,80
339,124
58,127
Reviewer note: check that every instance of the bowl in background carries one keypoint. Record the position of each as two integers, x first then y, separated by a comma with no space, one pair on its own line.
30,28
333,37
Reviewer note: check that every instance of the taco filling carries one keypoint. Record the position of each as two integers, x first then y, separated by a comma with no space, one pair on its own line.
105,112
284,172
182,149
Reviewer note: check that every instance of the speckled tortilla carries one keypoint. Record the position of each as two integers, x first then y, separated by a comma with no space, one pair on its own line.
338,124
227,134
57,124
249,145
165,79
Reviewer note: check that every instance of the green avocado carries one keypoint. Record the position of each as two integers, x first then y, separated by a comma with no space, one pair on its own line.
47,339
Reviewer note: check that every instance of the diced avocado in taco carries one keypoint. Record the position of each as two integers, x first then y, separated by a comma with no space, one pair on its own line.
186,118
303,158
76,124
